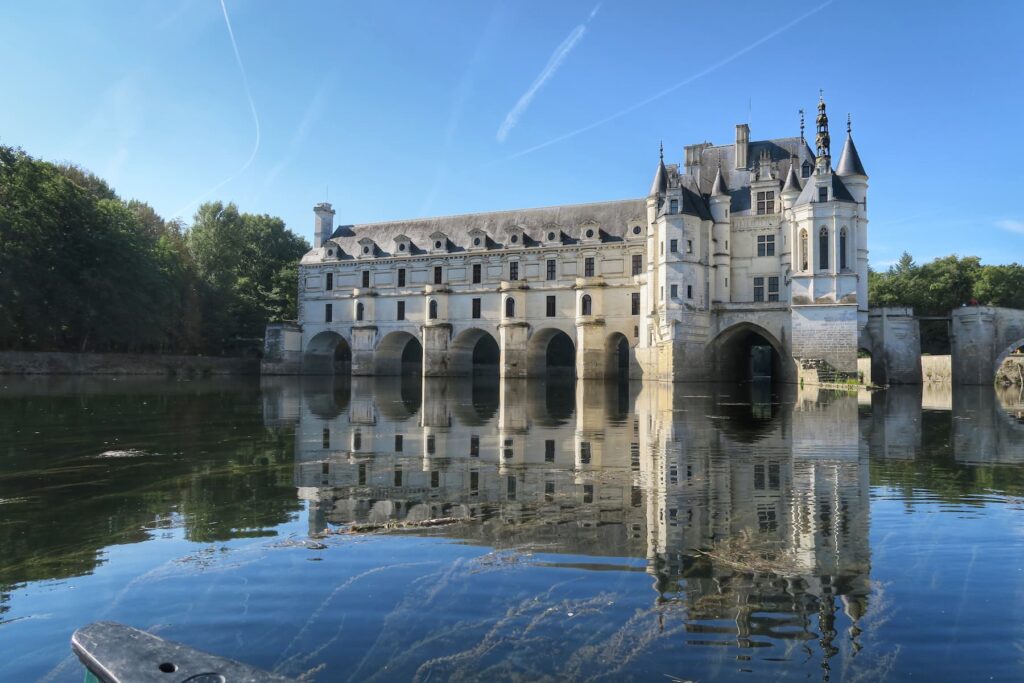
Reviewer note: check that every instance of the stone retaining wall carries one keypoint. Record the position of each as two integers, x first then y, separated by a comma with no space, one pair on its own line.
55,363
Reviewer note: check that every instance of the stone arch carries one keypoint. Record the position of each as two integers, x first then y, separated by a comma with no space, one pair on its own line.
618,356
328,353
1005,354
551,352
745,352
474,351
398,353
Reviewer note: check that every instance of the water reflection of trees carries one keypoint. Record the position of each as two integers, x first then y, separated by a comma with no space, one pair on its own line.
99,463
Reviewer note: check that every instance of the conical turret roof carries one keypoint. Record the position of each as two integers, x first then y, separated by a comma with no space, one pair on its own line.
718,189
849,162
792,181
660,183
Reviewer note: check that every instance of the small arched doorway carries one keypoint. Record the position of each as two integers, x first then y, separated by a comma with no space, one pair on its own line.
617,357
551,353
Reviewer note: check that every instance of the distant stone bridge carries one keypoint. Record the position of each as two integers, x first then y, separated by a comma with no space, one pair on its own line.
981,337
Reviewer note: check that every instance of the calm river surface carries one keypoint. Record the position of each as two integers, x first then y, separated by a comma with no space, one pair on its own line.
594,531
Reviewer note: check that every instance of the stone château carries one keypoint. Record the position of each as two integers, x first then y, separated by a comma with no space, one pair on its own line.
746,259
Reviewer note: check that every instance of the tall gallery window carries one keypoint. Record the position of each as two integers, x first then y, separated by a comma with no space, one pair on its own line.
823,249
330,282
400,312
551,269
432,308
842,249
803,250
758,289
773,288
510,307
476,273
586,305
551,306
328,313
513,270
359,311
401,277
476,308
638,264
635,302
588,267
366,278
438,275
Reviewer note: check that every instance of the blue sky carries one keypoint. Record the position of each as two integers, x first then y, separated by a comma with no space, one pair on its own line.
403,109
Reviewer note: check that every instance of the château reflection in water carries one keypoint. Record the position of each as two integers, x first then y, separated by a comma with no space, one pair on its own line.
744,504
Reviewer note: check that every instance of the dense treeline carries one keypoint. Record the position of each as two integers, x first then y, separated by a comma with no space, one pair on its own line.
946,283
83,270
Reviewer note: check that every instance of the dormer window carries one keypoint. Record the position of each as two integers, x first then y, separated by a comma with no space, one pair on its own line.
477,239
765,202
805,170
590,232
637,230
438,242
403,245
516,237
823,193
673,206
367,248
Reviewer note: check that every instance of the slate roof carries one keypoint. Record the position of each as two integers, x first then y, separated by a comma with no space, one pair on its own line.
613,219
810,193
849,162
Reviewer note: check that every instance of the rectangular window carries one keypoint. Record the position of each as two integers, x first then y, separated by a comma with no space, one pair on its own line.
549,450
362,474
328,313
474,481
773,288
513,270
638,265
765,202
551,307
474,446
673,206
366,278
588,267
330,282
401,311
689,291
357,441
634,300
673,246
636,331
398,476
401,277
588,493
327,437
399,443
551,269
506,452
585,452
674,291
549,491
435,479
438,275
689,246
823,194
476,308
758,289
511,488
766,245
476,273
430,444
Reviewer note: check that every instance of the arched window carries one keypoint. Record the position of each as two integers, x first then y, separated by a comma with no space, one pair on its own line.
586,306
510,307
842,249
359,311
823,249
432,308
803,250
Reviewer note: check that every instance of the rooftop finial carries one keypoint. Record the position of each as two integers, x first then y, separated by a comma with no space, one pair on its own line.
801,124
661,150
823,140
848,127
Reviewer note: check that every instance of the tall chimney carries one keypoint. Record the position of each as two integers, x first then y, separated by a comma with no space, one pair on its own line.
742,144
323,226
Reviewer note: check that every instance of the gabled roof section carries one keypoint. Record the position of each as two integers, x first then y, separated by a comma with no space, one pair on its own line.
849,162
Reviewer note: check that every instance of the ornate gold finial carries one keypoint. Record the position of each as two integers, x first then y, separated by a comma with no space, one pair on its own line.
823,140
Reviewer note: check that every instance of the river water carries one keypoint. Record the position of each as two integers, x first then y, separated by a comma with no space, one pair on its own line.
517,530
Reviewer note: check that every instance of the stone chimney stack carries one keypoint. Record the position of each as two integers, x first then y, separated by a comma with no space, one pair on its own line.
323,226
742,144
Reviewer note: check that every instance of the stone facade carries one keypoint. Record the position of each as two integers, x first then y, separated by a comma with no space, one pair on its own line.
745,259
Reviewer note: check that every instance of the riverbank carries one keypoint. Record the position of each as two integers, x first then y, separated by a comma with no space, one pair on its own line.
1011,372
58,363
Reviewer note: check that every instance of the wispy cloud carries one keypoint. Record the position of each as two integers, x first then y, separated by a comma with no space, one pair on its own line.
554,63
1011,225
672,88
255,119
314,110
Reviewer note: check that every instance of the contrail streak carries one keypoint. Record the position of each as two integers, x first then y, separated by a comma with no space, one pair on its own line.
554,63
252,108
657,96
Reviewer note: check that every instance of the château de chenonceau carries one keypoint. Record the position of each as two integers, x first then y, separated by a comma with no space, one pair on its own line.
747,259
